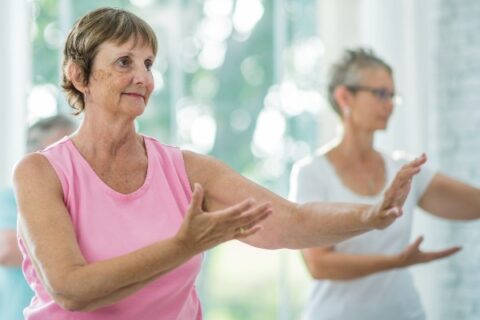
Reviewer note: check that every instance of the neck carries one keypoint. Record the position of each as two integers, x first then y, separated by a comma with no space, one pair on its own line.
356,143
105,135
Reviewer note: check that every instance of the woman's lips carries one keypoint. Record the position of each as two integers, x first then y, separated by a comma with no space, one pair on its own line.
135,95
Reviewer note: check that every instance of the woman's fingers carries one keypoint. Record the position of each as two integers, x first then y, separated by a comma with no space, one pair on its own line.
414,255
384,218
244,223
197,198
417,242
397,193
413,167
393,213
245,233
236,209
202,230
253,214
417,162
434,255
254,221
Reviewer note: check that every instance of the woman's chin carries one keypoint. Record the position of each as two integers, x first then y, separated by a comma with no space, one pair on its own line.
135,110
383,125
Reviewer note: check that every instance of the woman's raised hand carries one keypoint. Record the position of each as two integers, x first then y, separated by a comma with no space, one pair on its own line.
384,213
202,230
413,255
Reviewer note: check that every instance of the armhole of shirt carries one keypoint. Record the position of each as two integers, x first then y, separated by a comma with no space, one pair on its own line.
179,163
60,174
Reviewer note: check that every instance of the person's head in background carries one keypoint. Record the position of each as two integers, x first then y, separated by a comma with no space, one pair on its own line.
13,287
361,90
47,131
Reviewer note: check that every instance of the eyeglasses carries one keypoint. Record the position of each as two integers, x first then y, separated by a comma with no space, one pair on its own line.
381,94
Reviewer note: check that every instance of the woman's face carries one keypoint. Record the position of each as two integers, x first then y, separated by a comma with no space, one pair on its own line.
371,104
121,80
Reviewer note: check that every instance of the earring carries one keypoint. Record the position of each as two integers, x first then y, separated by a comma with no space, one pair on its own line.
346,111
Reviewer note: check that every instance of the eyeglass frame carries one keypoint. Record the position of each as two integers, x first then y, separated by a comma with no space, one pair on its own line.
381,94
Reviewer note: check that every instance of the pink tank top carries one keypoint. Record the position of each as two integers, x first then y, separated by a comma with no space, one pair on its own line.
109,224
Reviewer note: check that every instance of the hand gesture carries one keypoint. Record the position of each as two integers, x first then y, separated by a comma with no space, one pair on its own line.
413,255
202,230
384,213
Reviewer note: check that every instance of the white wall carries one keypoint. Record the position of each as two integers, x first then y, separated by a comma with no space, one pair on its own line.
14,82
453,284
391,29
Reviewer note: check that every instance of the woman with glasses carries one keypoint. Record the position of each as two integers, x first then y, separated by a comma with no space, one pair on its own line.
366,277
113,224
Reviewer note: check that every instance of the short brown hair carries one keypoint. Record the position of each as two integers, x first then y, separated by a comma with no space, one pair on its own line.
88,33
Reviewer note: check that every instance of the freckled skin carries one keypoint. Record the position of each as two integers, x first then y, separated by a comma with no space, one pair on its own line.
101,75
121,80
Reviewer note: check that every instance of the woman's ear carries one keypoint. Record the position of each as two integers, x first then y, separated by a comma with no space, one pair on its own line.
343,97
75,74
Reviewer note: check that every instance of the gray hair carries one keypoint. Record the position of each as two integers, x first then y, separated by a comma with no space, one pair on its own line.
348,71
44,129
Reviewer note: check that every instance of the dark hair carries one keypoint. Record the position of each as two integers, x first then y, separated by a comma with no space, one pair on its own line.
348,71
88,33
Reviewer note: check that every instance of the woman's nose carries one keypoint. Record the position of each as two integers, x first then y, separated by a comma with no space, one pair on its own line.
142,76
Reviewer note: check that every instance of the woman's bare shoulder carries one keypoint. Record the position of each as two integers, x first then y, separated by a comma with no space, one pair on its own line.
35,170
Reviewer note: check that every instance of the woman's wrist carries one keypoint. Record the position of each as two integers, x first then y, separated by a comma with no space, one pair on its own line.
184,246
368,216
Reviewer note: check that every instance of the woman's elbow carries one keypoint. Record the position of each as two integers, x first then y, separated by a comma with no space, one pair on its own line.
70,304
319,273
319,270
66,296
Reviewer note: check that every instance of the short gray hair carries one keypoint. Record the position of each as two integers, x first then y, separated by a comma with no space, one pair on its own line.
43,129
348,71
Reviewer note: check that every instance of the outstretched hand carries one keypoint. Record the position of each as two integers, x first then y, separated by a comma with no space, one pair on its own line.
384,213
413,255
202,230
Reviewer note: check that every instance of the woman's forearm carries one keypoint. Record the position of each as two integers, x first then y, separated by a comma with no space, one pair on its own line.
317,224
116,296
339,266
452,199
106,282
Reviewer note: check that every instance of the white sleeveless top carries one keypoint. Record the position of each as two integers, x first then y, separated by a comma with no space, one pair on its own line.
386,295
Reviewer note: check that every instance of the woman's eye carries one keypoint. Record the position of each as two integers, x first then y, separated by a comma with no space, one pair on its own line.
123,62
148,65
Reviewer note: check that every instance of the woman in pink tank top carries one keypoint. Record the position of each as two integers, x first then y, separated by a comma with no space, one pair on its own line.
109,225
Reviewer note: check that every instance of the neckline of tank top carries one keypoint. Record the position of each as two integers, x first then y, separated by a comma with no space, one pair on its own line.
119,195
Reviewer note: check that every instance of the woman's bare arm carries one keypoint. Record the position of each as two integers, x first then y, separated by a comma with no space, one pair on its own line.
292,225
326,263
449,198
50,240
